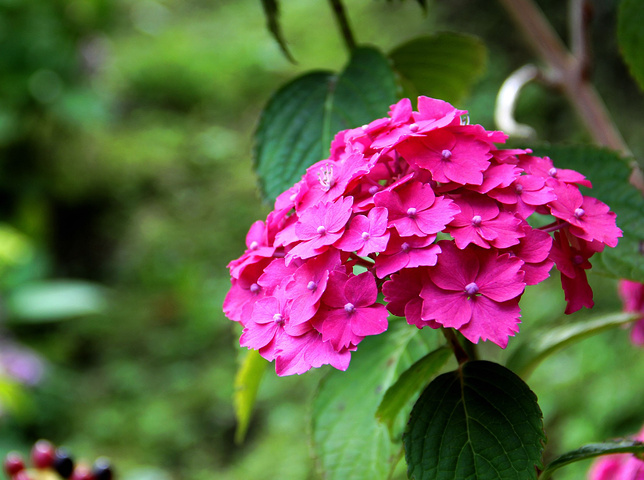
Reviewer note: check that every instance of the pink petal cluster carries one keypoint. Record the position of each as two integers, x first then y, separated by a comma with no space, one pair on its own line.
632,295
623,466
425,209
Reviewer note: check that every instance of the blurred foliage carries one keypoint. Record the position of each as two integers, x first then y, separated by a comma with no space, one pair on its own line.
125,160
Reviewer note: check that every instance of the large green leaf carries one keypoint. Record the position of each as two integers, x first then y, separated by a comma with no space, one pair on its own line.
409,384
348,441
444,65
531,352
630,36
296,127
590,451
609,173
247,380
480,422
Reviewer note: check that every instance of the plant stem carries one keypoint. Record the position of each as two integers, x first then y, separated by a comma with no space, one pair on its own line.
343,22
460,354
567,71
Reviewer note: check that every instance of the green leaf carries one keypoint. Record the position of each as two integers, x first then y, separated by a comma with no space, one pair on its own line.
590,451
444,65
409,384
609,174
630,36
480,422
271,10
525,358
296,127
348,441
247,381
54,300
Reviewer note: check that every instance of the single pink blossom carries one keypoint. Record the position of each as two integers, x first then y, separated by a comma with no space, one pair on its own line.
349,311
319,227
298,354
482,223
476,292
407,252
450,158
366,234
402,292
589,218
414,209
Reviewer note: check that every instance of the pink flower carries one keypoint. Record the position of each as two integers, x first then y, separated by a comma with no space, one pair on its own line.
476,292
589,218
450,158
350,311
319,227
366,234
415,210
402,292
632,295
482,223
406,252
623,466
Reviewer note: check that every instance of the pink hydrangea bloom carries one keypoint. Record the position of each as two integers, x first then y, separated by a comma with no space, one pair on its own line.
623,466
632,295
436,213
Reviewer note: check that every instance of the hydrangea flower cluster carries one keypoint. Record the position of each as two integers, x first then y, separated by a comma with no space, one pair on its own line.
422,207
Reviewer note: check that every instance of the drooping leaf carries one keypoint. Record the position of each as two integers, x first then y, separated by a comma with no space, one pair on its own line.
630,35
54,300
478,422
409,384
525,358
348,440
247,380
271,10
296,127
609,174
444,65
590,451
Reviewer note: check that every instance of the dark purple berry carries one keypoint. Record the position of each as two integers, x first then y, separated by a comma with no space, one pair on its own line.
102,469
42,454
13,463
63,463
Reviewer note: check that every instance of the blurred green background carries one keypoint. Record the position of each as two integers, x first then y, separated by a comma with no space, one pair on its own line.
126,186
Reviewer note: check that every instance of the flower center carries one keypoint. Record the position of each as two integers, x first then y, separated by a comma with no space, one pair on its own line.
278,318
413,127
405,247
579,212
476,220
518,189
553,172
446,154
577,259
349,308
325,177
254,288
471,289
254,245
373,189
365,235
321,229
312,286
411,212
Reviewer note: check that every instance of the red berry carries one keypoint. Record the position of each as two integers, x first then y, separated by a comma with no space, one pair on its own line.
82,472
42,454
13,463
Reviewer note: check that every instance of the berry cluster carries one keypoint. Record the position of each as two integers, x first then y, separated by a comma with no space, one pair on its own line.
46,458
425,209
